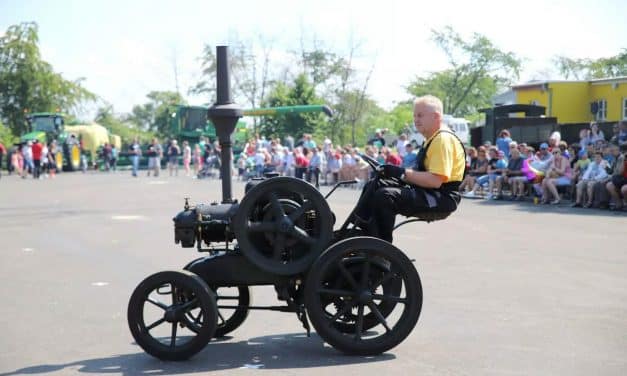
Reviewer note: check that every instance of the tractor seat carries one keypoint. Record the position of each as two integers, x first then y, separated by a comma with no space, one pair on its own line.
431,216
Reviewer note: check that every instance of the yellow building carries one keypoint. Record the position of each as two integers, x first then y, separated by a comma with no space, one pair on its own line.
603,100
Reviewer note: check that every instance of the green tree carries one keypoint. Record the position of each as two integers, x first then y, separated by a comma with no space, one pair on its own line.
478,71
154,116
301,92
28,83
585,69
7,138
116,124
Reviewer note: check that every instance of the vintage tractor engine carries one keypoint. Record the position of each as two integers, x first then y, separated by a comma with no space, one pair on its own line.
207,223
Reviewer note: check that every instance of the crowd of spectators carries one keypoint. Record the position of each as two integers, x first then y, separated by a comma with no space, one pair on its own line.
592,172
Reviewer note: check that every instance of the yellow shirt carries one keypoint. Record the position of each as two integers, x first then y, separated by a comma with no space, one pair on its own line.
445,156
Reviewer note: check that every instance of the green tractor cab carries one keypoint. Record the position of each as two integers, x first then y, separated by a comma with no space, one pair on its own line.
49,126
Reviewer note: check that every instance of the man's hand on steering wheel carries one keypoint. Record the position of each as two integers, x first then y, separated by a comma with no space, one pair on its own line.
391,171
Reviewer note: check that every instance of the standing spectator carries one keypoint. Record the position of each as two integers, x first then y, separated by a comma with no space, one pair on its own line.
513,170
503,141
44,160
289,142
106,156
333,164
36,155
554,140
378,141
17,160
308,142
558,174
114,157
617,186
622,133
3,152
155,153
595,133
390,157
400,145
594,173
135,153
187,157
584,139
52,162
615,133
173,157
300,162
313,170
289,161
197,158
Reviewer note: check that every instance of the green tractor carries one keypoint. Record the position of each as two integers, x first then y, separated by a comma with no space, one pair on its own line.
48,126
191,123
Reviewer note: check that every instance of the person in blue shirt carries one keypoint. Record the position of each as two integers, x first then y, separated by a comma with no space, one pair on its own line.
409,160
313,171
502,143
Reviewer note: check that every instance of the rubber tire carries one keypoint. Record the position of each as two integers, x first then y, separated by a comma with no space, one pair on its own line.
335,337
208,307
240,314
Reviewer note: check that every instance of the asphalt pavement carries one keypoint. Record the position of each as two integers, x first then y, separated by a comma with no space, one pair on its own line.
510,288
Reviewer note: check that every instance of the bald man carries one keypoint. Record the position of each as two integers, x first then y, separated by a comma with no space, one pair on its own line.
431,185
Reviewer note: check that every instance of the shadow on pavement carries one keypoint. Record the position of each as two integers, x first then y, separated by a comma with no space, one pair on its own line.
281,351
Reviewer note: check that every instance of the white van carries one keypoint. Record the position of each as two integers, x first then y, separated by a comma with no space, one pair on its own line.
457,125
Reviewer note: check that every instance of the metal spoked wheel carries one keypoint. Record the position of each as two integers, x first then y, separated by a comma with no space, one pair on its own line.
233,309
345,317
379,272
282,225
172,315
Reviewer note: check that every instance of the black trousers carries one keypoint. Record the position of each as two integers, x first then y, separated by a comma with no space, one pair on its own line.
379,205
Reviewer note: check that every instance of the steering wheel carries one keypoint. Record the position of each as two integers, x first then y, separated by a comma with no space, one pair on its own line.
376,166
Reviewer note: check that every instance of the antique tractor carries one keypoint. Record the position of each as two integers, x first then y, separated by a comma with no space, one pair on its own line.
362,294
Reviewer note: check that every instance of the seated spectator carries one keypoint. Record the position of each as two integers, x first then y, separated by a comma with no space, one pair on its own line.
495,172
478,167
594,173
487,179
513,170
409,159
518,183
601,195
617,186
558,174
580,166
524,150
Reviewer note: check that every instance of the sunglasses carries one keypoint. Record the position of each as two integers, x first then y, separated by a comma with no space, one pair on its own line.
556,152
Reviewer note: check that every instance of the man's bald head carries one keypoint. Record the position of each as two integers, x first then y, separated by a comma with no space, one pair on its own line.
427,115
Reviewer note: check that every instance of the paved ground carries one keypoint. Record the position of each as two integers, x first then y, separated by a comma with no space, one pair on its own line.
510,288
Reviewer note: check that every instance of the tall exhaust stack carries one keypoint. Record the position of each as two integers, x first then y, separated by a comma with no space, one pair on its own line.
224,115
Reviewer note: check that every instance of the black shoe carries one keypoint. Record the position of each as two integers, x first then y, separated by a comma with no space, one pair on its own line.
575,205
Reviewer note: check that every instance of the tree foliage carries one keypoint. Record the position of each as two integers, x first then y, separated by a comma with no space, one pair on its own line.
28,83
585,69
154,115
478,71
300,92
119,125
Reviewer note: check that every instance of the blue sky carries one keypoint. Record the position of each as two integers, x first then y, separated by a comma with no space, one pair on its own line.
124,49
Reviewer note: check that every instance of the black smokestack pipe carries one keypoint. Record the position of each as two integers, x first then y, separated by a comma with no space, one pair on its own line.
224,115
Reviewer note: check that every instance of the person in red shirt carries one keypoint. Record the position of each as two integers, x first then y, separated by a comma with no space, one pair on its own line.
391,158
37,149
301,163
